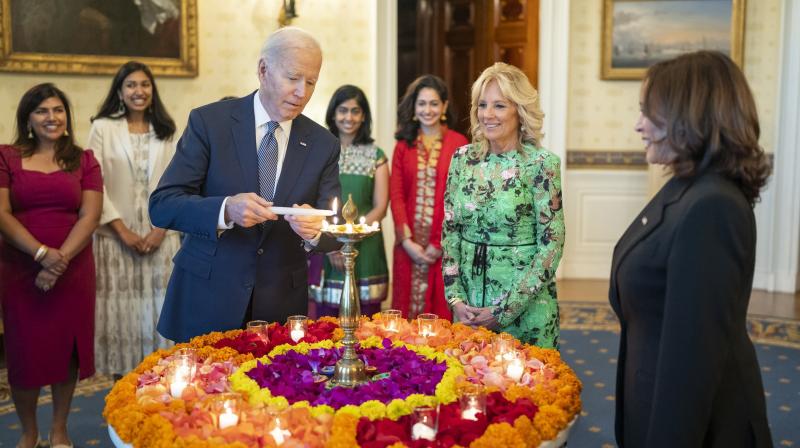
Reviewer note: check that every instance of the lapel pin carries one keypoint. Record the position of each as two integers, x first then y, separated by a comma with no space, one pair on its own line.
303,144
644,220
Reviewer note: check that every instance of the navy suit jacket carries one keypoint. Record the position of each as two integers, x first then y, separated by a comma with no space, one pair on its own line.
687,373
215,275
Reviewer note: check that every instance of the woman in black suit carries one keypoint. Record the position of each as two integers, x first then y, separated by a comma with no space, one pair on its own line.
687,374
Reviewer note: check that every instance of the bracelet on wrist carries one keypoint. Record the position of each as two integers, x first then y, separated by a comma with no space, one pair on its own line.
41,252
453,301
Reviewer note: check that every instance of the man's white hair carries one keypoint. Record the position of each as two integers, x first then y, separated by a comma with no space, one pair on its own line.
287,38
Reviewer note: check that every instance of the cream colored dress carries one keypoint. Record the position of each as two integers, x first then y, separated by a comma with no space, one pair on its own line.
131,287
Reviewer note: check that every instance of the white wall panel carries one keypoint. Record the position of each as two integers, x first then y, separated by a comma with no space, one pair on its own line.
598,207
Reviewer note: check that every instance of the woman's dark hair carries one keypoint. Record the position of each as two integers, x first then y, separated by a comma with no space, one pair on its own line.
342,94
407,128
67,153
707,108
156,114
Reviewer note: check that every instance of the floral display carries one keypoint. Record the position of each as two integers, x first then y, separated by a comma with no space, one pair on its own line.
278,391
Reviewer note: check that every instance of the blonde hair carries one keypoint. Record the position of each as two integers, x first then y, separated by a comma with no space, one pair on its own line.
516,87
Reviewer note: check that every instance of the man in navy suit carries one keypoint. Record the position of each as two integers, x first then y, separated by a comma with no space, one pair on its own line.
235,160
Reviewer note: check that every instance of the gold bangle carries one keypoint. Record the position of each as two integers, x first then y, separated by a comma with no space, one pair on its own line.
454,300
41,252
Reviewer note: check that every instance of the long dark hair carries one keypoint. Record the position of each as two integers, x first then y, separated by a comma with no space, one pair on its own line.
707,108
407,128
156,114
67,153
345,93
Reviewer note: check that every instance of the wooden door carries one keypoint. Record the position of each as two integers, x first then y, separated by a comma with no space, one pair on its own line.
458,39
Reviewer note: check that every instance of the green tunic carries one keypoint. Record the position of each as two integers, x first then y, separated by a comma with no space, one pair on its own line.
357,166
503,237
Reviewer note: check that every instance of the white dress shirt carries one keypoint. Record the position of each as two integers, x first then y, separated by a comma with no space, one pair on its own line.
281,135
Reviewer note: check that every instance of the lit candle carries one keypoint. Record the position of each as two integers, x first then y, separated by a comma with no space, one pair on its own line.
335,220
422,431
280,434
180,379
515,369
176,388
334,207
297,334
228,419
392,326
348,228
375,226
470,414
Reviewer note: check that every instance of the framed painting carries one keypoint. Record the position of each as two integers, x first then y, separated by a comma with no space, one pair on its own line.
639,33
97,36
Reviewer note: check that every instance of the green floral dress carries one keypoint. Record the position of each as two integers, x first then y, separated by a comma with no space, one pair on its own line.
503,237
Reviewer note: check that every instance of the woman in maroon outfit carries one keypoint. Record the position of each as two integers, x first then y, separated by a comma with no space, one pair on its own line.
420,163
50,201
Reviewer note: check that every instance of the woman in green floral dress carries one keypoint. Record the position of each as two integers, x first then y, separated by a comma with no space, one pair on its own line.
364,174
504,226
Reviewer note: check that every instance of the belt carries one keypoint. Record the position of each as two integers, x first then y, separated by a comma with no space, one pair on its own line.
479,259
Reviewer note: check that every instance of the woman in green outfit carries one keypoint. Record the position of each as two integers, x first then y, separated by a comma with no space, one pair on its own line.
364,174
504,226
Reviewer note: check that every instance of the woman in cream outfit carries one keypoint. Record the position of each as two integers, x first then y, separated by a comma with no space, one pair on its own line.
132,135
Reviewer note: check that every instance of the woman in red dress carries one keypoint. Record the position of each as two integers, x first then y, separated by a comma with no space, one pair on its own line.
50,199
420,163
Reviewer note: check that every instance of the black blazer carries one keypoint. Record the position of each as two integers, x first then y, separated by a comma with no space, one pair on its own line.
216,275
687,374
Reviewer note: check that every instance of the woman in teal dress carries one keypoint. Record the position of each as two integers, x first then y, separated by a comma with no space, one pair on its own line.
504,226
364,174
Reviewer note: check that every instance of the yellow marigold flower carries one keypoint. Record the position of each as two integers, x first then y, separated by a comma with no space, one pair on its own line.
373,409
398,408
499,434
349,409
322,409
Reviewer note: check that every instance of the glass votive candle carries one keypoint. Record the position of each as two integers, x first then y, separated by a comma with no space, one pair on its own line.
503,345
182,370
515,367
225,409
425,423
279,431
391,320
427,324
472,401
298,326
260,329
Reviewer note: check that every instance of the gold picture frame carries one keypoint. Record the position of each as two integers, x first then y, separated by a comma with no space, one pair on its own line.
638,33
96,37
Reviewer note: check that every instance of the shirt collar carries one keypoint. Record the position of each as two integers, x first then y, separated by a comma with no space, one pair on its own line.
262,117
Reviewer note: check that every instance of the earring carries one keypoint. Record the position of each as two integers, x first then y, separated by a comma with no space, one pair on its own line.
443,117
414,118
66,133
30,132
121,110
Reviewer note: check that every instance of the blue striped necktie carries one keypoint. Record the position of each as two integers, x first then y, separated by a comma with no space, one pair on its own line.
268,162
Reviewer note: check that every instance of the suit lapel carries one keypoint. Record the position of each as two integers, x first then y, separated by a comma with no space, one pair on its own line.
296,153
244,140
644,224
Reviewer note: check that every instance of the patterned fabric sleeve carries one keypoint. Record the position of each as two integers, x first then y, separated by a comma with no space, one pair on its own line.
451,237
380,157
91,177
550,241
397,200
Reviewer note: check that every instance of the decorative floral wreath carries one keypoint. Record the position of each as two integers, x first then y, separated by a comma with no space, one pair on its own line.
421,371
